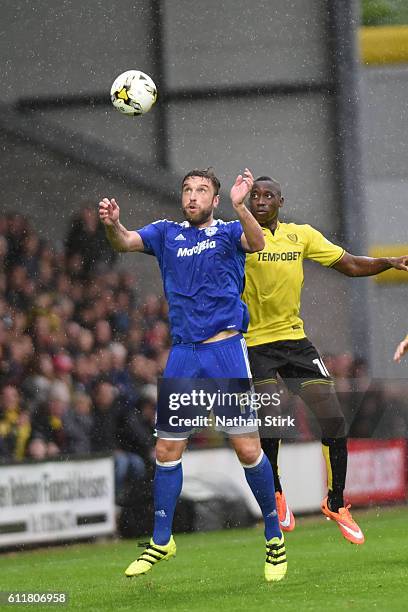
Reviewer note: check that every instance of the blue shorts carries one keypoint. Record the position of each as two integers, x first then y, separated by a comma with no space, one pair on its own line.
222,369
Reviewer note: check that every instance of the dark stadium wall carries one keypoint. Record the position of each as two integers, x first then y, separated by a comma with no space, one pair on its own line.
385,151
292,144
68,47
288,135
256,43
75,49
385,155
58,50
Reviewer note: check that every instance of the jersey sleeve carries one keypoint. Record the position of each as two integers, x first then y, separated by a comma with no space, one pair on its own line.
236,230
153,237
319,249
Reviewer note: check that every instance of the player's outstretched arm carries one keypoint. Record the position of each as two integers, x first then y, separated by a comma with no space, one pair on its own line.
119,237
353,265
252,239
402,348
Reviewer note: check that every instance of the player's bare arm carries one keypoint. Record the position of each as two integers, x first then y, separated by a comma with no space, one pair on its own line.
401,349
353,265
119,237
252,239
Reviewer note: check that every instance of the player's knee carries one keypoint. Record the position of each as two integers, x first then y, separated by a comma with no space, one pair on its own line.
169,450
248,452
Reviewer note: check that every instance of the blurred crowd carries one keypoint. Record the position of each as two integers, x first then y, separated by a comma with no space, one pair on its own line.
372,407
80,354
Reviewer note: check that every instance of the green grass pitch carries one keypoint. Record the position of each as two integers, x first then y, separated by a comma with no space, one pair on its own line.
224,571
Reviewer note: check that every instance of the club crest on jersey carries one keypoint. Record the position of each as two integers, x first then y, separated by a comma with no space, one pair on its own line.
293,237
210,231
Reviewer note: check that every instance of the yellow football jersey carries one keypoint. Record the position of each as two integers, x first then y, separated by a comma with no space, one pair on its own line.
274,280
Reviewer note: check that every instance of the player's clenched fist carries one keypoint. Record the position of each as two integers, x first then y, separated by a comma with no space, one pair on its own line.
108,211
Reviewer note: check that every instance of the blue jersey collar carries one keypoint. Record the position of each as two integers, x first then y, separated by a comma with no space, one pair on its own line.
187,224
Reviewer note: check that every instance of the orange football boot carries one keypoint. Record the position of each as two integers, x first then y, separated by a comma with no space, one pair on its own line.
347,525
285,514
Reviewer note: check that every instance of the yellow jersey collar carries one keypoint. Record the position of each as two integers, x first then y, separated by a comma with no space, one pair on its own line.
269,232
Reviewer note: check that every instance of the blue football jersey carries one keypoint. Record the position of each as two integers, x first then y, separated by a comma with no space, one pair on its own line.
203,276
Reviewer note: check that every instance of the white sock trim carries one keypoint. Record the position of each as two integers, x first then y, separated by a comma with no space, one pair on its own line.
168,463
257,462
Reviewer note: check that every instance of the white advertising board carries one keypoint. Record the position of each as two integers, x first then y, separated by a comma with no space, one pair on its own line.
56,500
301,468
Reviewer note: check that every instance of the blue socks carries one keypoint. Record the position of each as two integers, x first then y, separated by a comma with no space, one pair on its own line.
168,481
167,484
260,479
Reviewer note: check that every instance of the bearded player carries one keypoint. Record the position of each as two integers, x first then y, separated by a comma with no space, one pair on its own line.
202,266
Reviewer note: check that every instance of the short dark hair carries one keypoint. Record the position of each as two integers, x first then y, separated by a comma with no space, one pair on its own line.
271,180
264,178
207,173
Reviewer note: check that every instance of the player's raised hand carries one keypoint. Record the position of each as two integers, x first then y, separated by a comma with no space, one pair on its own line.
108,211
402,348
400,263
241,188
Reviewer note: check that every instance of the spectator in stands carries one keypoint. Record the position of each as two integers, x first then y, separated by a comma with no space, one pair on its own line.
85,373
18,293
119,374
86,341
86,238
78,425
134,339
30,255
103,359
151,310
16,229
120,318
134,446
128,284
3,252
157,338
20,352
63,366
143,370
4,363
104,417
14,425
103,333
116,431
46,275
48,436
40,375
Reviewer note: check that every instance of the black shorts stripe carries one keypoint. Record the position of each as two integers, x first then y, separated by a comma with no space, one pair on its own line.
296,361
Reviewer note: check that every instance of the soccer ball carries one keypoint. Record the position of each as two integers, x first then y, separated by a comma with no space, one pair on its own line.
133,93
